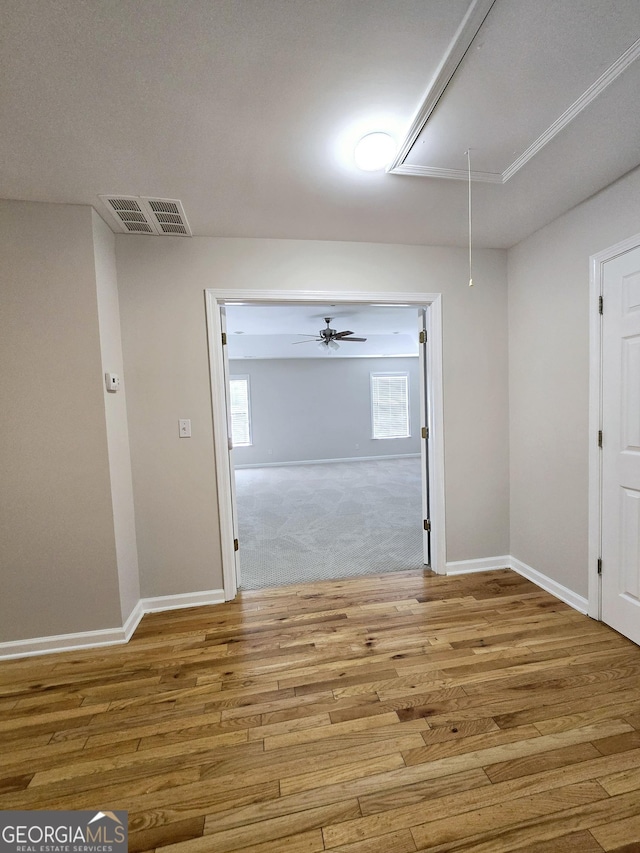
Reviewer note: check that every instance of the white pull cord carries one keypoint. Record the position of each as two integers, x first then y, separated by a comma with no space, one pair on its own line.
470,233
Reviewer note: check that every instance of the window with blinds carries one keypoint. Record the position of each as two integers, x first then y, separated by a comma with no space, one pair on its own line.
390,405
240,411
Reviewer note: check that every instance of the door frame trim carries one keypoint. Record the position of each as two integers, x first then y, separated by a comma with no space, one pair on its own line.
596,281
215,298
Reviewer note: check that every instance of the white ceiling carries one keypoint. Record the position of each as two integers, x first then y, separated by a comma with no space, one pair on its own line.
247,110
275,331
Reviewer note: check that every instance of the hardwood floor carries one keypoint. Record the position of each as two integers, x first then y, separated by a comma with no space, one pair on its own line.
388,714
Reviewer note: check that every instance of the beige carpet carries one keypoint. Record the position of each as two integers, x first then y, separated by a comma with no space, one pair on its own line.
342,519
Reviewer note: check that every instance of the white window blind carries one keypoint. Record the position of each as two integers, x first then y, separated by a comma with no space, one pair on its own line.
240,411
390,405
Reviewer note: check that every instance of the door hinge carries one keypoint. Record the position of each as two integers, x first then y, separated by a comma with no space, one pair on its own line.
236,545
427,525
599,565
599,438
423,337
224,339
425,432
601,304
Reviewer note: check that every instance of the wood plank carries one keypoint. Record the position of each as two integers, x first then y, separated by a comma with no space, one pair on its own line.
490,745
286,727
548,828
622,781
272,829
575,842
548,715
146,837
332,730
562,757
9,783
52,756
617,834
394,842
304,842
617,743
104,731
495,817
421,792
343,773
263,767
90,766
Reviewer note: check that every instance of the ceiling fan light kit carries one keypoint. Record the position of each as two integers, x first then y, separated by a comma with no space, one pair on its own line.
328,347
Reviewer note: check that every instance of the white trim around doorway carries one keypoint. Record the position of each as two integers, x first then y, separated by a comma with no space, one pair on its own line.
596,278
215,299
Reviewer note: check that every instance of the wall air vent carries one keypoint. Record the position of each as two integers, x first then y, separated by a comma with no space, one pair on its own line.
143,215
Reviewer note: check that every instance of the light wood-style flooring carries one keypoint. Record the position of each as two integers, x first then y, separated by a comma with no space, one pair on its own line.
388,714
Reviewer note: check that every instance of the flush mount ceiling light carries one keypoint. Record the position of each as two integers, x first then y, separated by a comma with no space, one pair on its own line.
374,152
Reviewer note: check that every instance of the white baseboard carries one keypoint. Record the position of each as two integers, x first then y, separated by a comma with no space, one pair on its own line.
578,602
62,643
108,636
133,620
488,564
485,564
185,599
327,461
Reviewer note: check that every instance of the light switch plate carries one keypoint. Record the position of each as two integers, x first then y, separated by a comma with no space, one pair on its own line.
184,427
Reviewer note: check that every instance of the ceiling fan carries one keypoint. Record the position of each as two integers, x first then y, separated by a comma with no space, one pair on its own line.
329,338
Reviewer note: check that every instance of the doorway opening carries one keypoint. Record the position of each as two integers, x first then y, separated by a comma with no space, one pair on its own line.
310,489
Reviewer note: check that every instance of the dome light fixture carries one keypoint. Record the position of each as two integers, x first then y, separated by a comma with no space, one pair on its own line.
374,151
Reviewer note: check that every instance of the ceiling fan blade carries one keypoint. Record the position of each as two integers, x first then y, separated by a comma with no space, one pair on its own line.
310,341
342,334
352,339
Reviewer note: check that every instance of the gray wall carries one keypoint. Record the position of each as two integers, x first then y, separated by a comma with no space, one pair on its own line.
57,542
162,283
320,408
549,376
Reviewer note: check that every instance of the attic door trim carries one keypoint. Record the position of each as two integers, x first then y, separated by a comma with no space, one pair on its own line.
215,299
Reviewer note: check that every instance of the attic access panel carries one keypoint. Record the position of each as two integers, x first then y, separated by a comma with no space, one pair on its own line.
528,63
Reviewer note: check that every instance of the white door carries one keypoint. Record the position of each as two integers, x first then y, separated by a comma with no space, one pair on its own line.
232,478
424,439
621,444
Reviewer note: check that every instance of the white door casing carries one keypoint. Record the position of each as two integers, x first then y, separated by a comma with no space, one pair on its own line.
621,444
218,375
232,478
215,299
425,409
